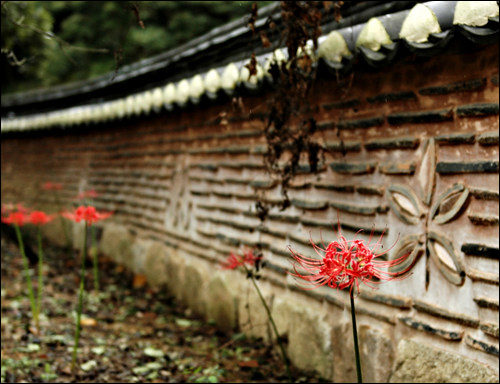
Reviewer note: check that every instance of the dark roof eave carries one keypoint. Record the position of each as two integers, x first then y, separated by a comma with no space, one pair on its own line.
233,42
227,35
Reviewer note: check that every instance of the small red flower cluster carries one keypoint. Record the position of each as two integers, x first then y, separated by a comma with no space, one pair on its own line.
345,263
90,194
234,260
40,218
49,186
19,215
89,214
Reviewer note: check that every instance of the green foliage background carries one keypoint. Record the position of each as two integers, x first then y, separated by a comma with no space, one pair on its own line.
29,27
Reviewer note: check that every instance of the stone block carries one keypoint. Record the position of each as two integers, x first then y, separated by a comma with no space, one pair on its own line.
308,332
221,304
281,314
344,361
58,235
377,354
139,250
155,264
175,266
252,315
77,231
420,363
194,287
116,242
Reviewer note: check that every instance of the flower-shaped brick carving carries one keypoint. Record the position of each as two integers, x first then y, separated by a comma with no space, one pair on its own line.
404,202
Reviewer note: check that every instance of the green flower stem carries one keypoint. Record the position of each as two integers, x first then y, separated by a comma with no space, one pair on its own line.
40,272
273,324
34,309
94,258
355,337
80,300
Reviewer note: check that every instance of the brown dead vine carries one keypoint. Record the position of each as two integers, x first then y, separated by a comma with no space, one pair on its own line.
290,126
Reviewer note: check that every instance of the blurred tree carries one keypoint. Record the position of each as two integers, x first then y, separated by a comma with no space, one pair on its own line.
53,42
22,47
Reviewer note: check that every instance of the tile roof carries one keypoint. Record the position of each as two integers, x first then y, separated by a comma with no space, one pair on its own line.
371,34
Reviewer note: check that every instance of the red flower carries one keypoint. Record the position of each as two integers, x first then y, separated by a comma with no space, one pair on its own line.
40,218
92,194
22,216
16,214
234,261
89,214
49,186
18,218
346,263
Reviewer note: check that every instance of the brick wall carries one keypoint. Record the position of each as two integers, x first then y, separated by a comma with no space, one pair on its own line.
413,149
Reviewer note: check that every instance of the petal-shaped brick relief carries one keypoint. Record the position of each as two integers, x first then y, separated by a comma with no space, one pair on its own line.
449,204
404,203
443,254
427,170
411,246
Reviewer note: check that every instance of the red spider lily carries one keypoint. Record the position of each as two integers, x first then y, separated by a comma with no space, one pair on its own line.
91,194
234,261
40,218
49,186
89,214
18,218
22,216
346,263
248,257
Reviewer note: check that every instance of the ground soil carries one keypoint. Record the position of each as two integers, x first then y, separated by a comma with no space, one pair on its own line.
130,333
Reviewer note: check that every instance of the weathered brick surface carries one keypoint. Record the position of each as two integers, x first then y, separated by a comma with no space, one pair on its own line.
409,144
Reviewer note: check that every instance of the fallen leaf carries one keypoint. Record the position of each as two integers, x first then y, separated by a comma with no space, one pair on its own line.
32,347
183,322
89,365
153,352
144,369
139,281
67,369
149,315
88,322
249,364
98,350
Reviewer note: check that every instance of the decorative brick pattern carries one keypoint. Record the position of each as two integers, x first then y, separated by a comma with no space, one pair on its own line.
482,345
436,116
421,326
414,160
460,86
397,96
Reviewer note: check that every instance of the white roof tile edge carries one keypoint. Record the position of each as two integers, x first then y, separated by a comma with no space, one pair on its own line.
226,78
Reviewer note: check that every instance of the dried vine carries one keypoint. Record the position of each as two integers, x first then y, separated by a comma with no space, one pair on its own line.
289,137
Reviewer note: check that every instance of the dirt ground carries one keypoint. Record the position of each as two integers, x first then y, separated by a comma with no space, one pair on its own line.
129,333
